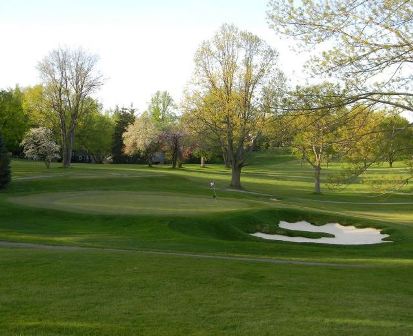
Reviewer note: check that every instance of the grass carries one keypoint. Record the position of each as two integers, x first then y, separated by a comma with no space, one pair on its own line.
135,203
125,292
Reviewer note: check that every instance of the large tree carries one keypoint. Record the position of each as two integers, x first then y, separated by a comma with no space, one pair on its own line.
70,78
231,71
367,45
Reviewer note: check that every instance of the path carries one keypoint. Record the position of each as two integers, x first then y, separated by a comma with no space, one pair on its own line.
7,244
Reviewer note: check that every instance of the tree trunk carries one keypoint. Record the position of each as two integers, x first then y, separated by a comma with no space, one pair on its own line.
317,174
390,163
202,162
47,163
67,156
67,150
226,158
236,176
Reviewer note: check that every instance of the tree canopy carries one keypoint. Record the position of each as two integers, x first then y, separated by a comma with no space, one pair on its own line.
367,45
13,120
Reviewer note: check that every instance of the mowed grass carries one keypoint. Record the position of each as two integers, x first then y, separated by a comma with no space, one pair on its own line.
124,291
127,202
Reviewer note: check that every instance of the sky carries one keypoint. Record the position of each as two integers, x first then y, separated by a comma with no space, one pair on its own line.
143,45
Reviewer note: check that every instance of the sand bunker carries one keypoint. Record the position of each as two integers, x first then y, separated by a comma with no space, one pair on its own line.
343,235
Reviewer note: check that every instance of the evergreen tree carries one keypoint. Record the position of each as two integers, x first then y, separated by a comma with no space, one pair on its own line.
5,173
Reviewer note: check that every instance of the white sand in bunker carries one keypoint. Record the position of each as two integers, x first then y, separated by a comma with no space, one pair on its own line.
343,235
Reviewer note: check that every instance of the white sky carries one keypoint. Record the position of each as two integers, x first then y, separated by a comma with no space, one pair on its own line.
143,45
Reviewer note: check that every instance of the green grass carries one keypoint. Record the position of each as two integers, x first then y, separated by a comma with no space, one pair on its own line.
132,208
135,203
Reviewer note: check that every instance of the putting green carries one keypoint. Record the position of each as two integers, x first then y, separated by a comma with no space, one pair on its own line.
125,202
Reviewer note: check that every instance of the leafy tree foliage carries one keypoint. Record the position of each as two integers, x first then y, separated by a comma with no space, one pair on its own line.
13,120
39,144
123,117
205,141
94,135
360,138
143,136
396,138
5,172
162,108
37,110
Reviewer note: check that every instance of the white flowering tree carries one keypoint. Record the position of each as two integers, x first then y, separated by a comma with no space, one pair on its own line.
38,144
143,136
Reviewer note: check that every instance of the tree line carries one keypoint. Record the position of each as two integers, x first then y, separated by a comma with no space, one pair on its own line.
239,100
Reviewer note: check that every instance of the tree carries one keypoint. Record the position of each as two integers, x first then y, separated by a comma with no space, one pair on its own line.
204,142
366,44
162,108
95,134
231,71
123,117
69,77
5,172
315,132
172,141
361,138
313,143
13,120
38,144
143,136
396,138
